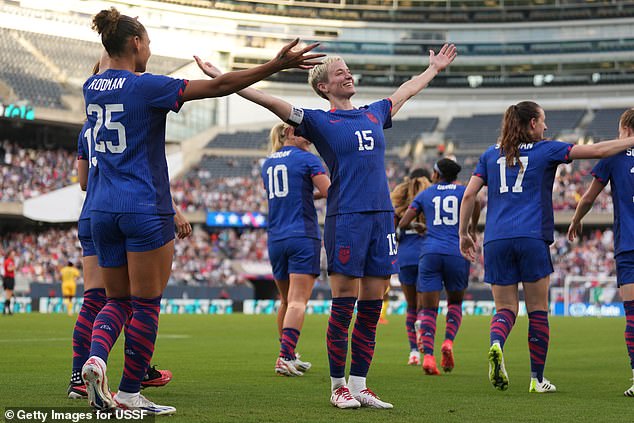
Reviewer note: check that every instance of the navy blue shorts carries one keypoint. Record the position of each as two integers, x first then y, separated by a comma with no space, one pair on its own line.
408,275
115,234
514,260
85,238
361,244
434,270
294,255
625,268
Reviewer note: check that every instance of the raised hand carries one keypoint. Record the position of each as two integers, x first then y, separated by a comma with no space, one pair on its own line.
207,68
445,56
288,58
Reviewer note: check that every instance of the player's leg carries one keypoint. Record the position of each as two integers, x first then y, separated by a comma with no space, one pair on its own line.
536,265
625,279
108,324
429,285
408,276
150,251
379,265
8,295
456,279
282,287
536,296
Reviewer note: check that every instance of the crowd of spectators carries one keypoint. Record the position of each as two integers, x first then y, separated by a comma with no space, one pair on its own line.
28,172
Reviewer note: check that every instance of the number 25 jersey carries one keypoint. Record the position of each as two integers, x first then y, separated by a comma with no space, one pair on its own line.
520,200
127,113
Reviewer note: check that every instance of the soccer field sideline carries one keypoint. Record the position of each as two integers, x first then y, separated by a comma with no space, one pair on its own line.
223,371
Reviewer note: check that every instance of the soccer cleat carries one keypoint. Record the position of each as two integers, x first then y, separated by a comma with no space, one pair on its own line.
414,358
155,377
77,391
284,367
369,399
630,392
139,402
342,398
94,375
497,373
429,365
302,366
543,387
446,362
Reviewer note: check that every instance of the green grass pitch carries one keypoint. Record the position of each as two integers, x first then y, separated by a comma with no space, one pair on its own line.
223,372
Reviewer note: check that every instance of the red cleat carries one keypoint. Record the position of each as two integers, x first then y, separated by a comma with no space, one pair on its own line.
447,362
429,365
155,377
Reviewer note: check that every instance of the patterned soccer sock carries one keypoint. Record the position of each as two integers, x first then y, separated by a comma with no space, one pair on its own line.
94,300
501,325
108,325
364,336
337,334
629,330
139,343
411,330
427,318
288,343
454,319
538,338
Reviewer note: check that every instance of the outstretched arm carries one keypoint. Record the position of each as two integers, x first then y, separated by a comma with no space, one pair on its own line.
584,206
437,62
232,82
601,149
276,105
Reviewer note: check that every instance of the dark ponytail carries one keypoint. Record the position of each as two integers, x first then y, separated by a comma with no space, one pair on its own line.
515,130
115,29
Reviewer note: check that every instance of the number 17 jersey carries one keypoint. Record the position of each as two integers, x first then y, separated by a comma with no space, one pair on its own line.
520,200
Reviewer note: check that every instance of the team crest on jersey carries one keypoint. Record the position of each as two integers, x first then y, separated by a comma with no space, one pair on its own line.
372,118
344,255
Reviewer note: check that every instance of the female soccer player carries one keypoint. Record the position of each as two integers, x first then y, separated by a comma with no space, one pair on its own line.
69,285
519,172
440,261
131,213
294,240
8,281
617,170
94,291
410,245
359,230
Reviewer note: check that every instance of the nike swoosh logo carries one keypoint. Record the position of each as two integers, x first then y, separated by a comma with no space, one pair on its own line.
335,121
394,261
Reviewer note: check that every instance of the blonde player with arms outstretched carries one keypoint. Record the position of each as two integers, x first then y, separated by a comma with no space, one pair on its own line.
359,230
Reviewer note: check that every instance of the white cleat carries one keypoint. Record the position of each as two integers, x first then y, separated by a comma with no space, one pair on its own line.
543,387
94,375
139,402
414,358
369,399
302,366
284,367
342,398
630,392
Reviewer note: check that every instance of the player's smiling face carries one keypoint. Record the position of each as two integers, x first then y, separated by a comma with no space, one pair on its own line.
340,81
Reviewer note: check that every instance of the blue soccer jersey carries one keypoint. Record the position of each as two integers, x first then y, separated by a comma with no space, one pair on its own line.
618,171
127,113
352,144
84,152
287,176
520,203
440,203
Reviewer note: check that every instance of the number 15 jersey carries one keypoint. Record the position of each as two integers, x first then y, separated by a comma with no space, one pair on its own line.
520,200
127,113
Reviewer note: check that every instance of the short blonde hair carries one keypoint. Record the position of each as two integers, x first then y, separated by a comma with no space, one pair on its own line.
277,136
319,74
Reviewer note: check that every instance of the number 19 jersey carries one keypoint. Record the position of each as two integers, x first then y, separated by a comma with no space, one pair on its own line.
127,113
287,175
520,200
352,144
